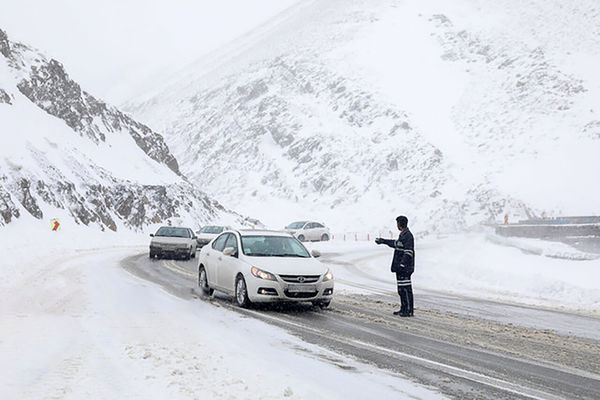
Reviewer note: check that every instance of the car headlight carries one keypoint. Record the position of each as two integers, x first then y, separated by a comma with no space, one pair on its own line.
259,273
328,276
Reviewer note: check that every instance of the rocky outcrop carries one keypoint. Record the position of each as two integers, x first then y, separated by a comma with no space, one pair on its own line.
4,97
47,84
8,210
4,44
105,205
52,173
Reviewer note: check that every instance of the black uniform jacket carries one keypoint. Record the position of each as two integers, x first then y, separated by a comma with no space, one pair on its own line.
404,252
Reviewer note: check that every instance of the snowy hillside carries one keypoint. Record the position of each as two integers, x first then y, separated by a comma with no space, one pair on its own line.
65,152
352,112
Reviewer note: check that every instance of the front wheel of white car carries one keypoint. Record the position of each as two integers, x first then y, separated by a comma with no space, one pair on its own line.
241,292
203,283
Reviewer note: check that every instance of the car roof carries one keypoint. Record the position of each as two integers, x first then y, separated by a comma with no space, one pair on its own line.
262,232
178,227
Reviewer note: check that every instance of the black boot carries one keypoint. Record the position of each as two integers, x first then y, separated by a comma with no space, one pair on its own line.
410,301
403,302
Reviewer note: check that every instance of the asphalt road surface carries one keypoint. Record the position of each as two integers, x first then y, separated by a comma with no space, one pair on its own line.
466,348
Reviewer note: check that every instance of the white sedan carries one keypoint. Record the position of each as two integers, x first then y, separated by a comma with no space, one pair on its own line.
263,266
308,231
174,242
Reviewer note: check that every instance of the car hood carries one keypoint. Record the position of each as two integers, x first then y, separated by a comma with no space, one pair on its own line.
169,240
288,265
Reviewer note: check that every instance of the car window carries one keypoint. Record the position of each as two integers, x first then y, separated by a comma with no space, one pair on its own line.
212,229
219,243
296,225
317,225
173,232
231,242
273,246
310,225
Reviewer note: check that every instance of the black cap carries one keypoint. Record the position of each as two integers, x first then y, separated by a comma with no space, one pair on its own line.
402,220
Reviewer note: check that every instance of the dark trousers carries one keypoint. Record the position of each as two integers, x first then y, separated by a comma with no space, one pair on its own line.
405,291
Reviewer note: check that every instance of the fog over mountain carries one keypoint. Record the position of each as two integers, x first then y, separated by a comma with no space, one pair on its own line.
354,111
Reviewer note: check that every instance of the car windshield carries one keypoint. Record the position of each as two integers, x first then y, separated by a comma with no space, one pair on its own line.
273,246
296,225
173,232
212,229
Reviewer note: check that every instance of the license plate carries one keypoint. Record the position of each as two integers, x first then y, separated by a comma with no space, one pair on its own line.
302,288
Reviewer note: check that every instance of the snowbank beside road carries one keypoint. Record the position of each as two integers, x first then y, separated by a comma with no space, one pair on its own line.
483,266
75,325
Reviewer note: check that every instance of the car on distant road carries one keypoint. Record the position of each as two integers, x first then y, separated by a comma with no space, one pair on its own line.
208,233
177,242
264,266
308,231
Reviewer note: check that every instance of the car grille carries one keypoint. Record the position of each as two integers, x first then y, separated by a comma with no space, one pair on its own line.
171,246
300,278
300,295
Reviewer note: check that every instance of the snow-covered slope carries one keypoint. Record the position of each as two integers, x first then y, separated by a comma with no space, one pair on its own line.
63,149
353,111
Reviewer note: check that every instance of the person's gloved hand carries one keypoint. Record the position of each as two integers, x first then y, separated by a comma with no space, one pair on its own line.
378,240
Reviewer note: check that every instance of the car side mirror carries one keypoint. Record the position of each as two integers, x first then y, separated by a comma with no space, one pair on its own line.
229,251
152,235
194,237
316,253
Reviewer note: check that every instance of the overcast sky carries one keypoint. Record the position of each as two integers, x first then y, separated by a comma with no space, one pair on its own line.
114,47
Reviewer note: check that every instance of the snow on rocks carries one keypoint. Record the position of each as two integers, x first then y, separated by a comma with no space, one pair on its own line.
63,148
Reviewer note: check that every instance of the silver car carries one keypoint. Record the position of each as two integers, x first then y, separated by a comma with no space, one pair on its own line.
208,233
309,231
172,241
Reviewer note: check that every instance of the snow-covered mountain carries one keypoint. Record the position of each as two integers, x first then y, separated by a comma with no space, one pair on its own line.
454,113
66,152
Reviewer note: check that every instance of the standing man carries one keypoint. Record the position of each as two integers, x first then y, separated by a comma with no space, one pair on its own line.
403,264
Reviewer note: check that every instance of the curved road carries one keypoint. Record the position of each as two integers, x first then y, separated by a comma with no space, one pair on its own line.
466,348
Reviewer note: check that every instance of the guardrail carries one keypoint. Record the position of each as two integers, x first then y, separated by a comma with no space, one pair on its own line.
592,219
549,230
362,236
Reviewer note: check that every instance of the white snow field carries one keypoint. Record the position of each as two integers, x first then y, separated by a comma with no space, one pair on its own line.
352,112
75,325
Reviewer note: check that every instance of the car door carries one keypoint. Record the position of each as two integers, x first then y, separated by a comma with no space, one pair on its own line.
214,256
304,231
192,241
310,231
229,266
319,230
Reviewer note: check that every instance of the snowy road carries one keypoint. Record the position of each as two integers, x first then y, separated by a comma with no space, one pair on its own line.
465,347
